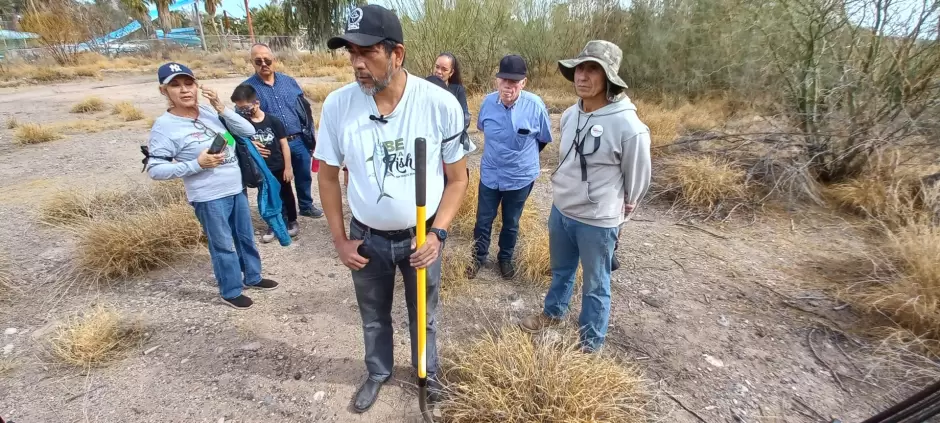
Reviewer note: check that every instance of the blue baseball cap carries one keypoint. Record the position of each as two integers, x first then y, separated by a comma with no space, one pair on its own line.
171,70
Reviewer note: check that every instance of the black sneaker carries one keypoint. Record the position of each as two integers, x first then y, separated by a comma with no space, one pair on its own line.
314,212
614,264
507,269
265,284
240,302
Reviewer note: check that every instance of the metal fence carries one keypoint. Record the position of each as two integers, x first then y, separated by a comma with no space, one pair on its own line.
19,49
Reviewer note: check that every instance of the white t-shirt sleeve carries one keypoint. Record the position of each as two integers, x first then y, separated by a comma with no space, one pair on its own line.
329,144
453,125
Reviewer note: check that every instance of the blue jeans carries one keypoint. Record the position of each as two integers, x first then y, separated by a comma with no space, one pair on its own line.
487,203
569,241
235,259
303,177
375,289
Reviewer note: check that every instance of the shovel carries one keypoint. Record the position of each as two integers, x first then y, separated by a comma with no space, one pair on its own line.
421,169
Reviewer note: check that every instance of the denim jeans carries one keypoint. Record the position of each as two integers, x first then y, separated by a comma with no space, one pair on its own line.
375,289
487,203
303,177
569,241
235,259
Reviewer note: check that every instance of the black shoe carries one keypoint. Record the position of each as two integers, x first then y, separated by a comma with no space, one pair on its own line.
265,284
240,302
614,264
473,269
507,269
435,390
314,212
367,394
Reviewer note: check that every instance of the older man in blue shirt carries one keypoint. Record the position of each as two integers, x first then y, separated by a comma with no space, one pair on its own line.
280,96
516,127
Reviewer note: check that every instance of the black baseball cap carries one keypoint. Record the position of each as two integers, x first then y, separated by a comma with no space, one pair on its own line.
512,67
369,25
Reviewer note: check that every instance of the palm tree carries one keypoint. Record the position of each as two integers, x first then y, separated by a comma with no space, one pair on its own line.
211,6
163,14
139,10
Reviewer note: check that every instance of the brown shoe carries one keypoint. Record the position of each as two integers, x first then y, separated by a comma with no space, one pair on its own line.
537,322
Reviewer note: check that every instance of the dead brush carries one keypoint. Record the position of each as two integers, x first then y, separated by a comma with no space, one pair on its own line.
662,122
98,336
533,253
512,377
12,123
135,244
702,184
34,133
127,111
89,105
318,92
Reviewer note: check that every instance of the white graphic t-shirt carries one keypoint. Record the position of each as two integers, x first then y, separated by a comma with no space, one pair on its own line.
380,156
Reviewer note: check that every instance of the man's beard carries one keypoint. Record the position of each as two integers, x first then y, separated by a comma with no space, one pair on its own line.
378,85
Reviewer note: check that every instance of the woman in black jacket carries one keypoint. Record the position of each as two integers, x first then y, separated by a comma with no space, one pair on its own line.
447,68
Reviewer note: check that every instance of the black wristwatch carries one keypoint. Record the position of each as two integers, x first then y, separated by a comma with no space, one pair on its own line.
441,234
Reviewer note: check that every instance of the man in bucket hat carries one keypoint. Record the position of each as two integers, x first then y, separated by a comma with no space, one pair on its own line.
603,173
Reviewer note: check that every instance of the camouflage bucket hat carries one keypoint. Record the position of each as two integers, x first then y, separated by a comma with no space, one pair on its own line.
604,53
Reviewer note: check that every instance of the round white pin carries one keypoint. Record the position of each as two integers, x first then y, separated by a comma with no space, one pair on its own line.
597,130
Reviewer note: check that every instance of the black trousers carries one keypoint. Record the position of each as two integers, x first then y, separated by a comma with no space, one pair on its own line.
288,203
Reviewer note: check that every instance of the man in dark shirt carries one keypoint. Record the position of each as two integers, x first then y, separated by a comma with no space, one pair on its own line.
270,135
280,96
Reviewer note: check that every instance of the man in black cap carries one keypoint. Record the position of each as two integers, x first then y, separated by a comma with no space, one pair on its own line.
371,127
516,127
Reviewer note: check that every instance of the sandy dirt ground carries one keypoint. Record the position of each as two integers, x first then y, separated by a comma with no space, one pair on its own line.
716,318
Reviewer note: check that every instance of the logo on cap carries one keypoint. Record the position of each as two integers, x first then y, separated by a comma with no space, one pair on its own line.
175,68
354,19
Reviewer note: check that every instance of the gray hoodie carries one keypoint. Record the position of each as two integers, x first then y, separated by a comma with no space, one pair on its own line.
612,164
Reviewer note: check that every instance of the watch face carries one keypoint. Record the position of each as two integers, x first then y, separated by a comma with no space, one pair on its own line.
442,234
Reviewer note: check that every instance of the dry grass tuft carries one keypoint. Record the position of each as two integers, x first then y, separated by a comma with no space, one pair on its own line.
701,183
6,279
318,92
215,74
89,105
33,133
127,111
466,217
98,336
510,377
457,257
12,123
133,245
72,207
532,251
888,194
911,296
51,74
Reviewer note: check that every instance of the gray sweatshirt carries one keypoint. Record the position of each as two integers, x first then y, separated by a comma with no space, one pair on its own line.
183,139
611,166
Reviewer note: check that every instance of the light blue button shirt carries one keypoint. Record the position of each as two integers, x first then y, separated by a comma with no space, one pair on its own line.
510,153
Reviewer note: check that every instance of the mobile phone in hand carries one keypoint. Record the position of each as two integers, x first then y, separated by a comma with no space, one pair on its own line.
217,144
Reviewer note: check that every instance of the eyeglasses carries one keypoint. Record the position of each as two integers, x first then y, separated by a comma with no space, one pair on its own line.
263,62
209,133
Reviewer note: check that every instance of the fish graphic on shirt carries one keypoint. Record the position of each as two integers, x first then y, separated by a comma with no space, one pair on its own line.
381,167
